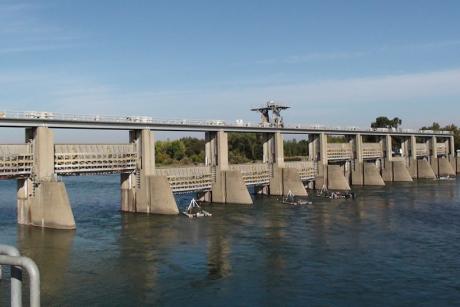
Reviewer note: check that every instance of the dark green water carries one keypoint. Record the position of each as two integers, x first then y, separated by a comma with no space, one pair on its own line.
397,245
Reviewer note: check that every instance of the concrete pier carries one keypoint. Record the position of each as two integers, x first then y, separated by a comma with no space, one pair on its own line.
283,179
445,168
230,188
42,200
367,174
228,185
394,168
424,170
412,157
363,172
336,179
143,191
400,172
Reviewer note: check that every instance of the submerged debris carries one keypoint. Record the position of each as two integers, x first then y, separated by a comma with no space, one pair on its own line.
291,199
325,193
194,210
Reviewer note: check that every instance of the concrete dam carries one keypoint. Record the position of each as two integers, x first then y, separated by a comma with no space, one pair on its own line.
365,157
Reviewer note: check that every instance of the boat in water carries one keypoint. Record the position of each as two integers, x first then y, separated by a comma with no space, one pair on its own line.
291,199
194,210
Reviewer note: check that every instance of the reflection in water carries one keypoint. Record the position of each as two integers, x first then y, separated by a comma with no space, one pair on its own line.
50,249
144,241
276,224
218,254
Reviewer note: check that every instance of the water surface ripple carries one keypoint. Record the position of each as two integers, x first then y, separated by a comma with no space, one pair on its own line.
396,245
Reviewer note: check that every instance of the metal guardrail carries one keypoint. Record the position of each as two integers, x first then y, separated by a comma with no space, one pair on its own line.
372,151
34,115
307,170
441,149
15,160
422,150
71,159
10,256
187,179
254,173
337,151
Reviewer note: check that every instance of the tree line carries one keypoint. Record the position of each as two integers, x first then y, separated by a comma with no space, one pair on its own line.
242,148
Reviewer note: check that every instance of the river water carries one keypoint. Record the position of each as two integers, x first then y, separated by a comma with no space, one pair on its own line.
397,245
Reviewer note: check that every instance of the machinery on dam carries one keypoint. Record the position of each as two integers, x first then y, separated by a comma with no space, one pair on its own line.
364,157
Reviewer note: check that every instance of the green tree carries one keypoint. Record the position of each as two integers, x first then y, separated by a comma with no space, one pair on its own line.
385,122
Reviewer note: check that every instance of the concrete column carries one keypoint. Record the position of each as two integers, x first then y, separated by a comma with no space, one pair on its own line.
434,155
312,147
357,177
229,186
452,157
216,151
389,147
412,155
322,177
143,191
41,199
387,167
274,149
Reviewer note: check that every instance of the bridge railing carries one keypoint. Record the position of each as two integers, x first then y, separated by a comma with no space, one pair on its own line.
339,151
15,160
187,179
254,173
71,159
34,115
307,169
372,151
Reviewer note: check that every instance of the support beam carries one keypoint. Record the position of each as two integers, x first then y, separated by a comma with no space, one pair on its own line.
143,191
42,200
434,155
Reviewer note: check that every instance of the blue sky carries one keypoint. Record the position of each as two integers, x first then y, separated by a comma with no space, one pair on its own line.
335,62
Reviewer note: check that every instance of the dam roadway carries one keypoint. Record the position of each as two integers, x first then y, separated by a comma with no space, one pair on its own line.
365,157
